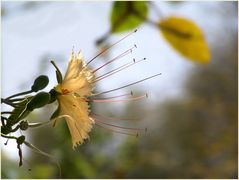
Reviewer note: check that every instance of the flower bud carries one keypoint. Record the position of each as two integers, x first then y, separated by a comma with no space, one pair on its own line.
20,139
23,125
38,101
40,83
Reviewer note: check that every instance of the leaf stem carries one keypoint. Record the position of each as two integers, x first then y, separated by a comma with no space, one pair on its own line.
16,128
19,94
35,149
6,112
17,99
8,102
20,154
8,137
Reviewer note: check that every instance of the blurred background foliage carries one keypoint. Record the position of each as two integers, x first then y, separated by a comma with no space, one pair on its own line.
192,136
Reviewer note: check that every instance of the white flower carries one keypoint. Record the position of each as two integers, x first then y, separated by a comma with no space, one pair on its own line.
75,91
73,106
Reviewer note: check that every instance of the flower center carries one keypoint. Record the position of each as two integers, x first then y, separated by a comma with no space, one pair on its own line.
64,91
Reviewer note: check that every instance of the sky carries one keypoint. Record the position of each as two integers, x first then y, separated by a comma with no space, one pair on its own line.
54,28
46,30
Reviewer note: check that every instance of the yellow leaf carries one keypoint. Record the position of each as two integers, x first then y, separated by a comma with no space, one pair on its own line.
186,37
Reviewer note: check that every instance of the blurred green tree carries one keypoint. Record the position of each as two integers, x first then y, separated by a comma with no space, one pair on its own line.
198,135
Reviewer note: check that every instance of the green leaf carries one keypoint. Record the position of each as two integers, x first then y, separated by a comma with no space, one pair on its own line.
127,15
6,129
186,37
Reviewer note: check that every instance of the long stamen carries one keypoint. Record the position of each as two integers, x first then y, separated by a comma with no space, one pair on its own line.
112,97
105,50
126,85
120,127
135,62
114,69
119,100
110,118
116,58
120,132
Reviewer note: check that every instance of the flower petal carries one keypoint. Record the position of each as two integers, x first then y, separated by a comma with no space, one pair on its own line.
74,68
75,110
78,77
